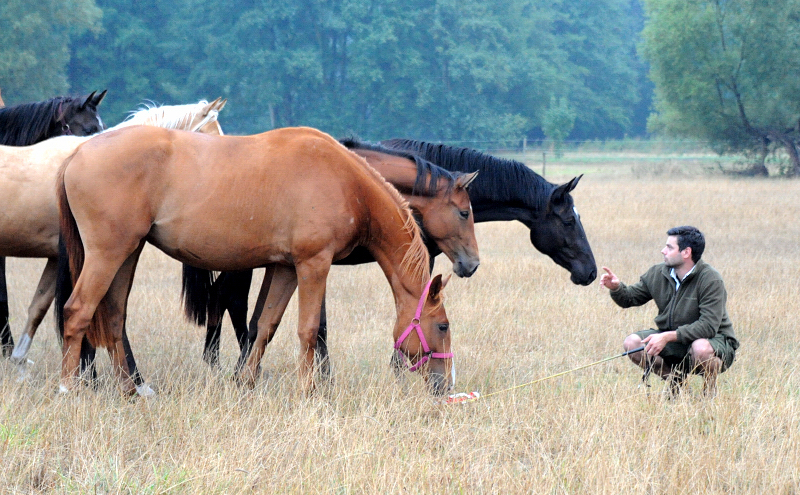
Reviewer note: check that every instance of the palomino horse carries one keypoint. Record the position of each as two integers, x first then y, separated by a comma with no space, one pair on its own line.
439,200
29,225
509,190
302,201
30,123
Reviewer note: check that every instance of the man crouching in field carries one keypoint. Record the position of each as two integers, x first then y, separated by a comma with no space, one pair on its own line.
694,333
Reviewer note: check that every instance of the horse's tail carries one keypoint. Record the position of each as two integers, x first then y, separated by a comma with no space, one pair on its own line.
70,263
196,287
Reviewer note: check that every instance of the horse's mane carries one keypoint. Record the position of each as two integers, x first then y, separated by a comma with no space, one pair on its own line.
169,116
500,179
416,259
425,169
29,123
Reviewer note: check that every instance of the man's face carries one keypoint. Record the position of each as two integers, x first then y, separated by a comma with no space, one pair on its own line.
673,256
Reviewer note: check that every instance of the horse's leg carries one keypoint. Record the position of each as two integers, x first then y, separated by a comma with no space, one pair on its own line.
104,275
321,353
120,351
94,281
311,277
214,322
238,290
282,286
42,298
6,340
258,309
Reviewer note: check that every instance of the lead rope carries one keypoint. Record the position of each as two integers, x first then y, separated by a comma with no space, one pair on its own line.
476,398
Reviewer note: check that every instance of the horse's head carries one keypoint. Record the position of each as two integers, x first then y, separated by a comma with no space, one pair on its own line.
205,120
425,338
559,234
78,116
448,221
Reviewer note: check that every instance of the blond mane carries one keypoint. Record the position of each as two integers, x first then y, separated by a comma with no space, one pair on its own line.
170,116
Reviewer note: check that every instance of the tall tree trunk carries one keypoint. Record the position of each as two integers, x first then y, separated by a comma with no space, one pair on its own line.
791,149
759,168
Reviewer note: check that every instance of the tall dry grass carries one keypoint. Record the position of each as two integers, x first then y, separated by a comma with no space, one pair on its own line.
518,319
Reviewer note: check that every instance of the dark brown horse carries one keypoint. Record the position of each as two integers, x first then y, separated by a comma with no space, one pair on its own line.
509,190
302,201
31,123
438,199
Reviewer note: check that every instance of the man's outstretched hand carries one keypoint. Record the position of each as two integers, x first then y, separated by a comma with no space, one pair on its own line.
609,280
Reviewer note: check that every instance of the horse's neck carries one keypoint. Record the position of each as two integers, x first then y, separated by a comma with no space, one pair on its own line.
390,241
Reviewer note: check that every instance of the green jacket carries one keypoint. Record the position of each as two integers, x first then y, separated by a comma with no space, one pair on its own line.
695,311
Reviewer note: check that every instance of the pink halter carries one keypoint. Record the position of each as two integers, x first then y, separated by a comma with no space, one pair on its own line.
414,325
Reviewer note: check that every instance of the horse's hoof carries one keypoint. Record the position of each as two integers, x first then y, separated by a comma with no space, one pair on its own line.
144,390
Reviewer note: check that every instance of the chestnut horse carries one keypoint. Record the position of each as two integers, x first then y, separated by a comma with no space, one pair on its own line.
29,224
439,200
30,123
302,201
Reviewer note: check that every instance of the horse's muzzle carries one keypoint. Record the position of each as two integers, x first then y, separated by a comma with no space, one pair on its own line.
465,267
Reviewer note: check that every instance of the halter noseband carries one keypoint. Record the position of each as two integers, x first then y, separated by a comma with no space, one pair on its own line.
414,325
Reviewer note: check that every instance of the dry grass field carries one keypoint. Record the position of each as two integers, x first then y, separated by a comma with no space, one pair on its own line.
517,319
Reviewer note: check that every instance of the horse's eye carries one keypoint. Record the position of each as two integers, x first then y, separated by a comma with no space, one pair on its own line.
464,214
443,327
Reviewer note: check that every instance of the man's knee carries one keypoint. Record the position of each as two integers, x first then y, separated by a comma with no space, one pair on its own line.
631,342
702,350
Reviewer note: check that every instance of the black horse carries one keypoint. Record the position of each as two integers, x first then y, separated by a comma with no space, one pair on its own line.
29,123
504,190
508,190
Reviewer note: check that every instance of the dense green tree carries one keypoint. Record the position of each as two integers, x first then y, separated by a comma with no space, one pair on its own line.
34,50
727,71
129,59
600,72
454,70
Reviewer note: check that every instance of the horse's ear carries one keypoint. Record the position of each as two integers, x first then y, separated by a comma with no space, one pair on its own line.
574,182
211,106
464,180
437,286
221,104
560,193
97,99
88,100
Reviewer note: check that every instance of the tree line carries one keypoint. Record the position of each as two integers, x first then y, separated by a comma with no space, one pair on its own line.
723,71
445,69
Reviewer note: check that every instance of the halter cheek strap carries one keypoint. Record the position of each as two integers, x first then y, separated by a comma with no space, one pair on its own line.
414,325
64,126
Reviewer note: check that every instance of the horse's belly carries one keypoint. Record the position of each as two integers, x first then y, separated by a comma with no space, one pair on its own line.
245,230
29,239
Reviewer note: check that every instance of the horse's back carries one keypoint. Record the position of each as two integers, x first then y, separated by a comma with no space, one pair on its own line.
230,201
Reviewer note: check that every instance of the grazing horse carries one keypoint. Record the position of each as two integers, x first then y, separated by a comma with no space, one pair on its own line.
29,225
439,200
302,201
30,123
509,190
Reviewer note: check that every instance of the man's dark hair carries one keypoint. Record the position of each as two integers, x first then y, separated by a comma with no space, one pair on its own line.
689,236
